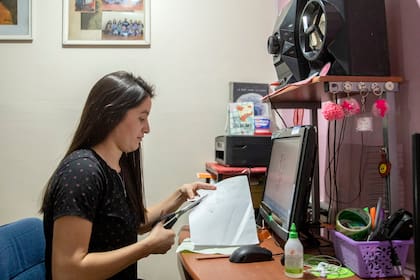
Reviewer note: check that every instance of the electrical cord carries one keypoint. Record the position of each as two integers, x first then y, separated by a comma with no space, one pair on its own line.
323,265
314,260
333,164
395,260
334,148
278,113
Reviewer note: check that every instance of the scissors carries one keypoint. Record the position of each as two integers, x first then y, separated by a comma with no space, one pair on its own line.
171,218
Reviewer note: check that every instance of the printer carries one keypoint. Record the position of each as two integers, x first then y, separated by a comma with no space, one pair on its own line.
243,150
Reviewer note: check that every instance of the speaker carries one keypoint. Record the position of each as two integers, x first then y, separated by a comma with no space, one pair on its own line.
288,60
352,35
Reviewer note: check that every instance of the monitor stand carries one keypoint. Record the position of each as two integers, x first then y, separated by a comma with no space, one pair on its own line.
309,241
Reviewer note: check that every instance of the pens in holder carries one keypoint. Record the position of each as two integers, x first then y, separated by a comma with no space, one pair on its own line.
376,220
372,213
378,211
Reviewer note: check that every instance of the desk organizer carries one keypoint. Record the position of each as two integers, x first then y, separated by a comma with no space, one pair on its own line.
369,259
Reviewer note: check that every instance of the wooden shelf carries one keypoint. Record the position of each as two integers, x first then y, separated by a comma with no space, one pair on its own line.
320,89
310,93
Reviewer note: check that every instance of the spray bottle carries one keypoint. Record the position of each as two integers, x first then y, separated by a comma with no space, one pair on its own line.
293,255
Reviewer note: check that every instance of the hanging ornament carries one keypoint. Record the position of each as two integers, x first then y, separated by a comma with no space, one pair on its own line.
363,122
384,166
350,106
332,111
380,106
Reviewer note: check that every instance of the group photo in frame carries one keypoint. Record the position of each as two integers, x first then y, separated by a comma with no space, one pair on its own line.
15,20
106,22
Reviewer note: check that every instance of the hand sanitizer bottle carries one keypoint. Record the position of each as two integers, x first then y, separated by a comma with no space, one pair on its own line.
293,255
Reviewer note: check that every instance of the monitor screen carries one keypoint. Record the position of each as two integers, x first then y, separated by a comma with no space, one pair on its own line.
289,180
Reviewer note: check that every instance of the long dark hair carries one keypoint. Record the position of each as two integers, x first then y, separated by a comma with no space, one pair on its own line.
108,101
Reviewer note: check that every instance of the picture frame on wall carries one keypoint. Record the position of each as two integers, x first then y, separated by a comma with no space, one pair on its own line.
106,22
16,20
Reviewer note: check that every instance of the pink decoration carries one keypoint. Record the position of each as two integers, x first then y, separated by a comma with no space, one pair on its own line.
350,106
380,108
332,111
325,69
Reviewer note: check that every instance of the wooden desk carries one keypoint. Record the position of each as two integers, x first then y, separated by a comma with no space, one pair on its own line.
221,172
222,268
256,176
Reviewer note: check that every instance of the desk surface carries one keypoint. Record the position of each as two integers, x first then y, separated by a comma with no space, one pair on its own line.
222,268
215,168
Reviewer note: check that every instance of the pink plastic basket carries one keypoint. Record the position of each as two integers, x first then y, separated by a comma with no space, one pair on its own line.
369,259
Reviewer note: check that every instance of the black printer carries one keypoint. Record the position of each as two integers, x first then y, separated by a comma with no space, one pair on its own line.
243,150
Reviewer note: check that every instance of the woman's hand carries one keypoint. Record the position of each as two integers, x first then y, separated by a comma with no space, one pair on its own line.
160,239
173,202
190,190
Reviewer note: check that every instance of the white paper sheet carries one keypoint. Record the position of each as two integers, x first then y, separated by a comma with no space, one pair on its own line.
226,216
188,246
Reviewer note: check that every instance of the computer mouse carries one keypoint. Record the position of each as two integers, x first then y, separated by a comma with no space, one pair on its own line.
250,253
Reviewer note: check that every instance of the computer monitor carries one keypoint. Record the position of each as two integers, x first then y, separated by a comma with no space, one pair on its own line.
289,180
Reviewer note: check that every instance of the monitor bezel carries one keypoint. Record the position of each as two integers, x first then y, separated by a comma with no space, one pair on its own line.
303,182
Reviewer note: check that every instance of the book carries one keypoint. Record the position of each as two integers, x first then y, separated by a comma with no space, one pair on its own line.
253,92
239,91
241,118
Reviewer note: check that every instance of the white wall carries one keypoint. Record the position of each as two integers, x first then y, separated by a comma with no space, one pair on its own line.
197,48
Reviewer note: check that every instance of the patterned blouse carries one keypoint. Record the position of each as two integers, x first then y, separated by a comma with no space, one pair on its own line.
85,186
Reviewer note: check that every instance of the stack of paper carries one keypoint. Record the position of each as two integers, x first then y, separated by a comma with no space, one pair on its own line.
226,216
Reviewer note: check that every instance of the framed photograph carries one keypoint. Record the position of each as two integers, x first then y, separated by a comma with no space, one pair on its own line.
106,22
15,20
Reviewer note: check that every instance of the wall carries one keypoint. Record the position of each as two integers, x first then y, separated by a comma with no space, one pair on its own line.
197,47
403,20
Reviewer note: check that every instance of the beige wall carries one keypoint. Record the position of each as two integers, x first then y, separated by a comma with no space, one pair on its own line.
197,47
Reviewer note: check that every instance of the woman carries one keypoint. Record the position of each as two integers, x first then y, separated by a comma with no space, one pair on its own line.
94,202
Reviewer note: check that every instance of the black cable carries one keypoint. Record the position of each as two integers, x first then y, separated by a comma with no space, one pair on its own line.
360,169
329,172
361,161
341,140
332,192
395,260
335,159
335,163
278,113
329,169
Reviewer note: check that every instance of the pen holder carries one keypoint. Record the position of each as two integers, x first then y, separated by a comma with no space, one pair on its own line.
369,259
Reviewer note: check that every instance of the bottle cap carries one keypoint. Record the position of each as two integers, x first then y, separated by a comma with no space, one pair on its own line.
293,234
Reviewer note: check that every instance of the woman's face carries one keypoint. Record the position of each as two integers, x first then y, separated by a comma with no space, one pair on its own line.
128,134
